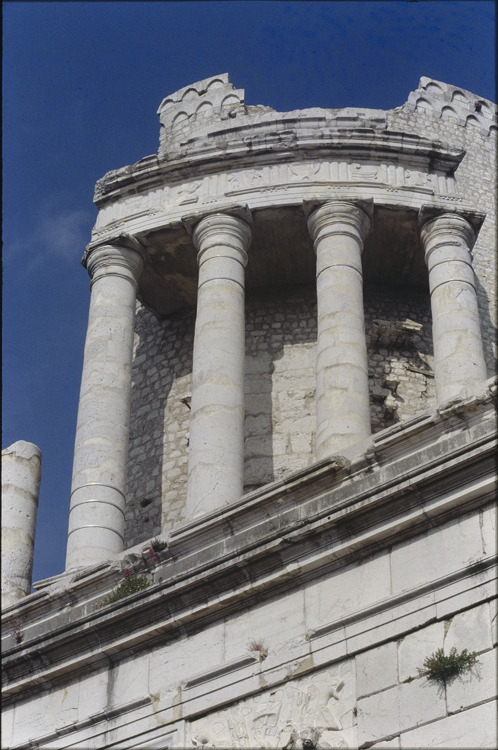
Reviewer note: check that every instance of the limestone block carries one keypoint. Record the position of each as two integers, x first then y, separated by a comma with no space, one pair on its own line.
129,679
257,471
437,553
35,717
278,623
258,425
416,647
332,597
301,443
471,630
399,708
482,589
303,425
296,358
488,530
376,669
256,403
259,364
468,729
93,694
21,474
477,685
493,607
7,727
258,446
178,661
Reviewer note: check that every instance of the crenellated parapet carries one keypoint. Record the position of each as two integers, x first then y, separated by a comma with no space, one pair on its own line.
450,102
211,99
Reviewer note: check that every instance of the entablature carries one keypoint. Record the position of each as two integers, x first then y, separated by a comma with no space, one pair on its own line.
289,138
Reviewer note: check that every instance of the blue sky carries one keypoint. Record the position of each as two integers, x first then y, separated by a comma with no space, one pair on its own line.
81,85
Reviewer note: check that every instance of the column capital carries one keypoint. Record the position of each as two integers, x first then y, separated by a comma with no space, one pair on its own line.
122,256
444,224
427,213
219,231
341,217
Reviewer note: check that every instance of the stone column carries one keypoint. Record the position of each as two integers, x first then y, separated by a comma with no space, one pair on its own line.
21,474
96,519
342,396
216,442
458,353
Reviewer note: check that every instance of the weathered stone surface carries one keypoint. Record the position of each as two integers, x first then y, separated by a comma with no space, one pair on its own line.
416,647
458,545
216,451
398,709
331,598
477,685
394,743
473,728
21,475
376,669
471,630
342,404
458,354
96,516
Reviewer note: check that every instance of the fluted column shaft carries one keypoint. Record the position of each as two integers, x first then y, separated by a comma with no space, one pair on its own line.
216,441
342,397
458,352
96,520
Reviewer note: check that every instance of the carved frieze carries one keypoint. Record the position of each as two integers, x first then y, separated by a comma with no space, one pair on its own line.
274,184
364,171
312,712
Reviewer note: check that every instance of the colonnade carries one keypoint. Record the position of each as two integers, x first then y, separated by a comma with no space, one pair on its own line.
216,451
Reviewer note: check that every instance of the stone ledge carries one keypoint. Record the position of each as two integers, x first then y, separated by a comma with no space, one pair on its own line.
317,523
219,151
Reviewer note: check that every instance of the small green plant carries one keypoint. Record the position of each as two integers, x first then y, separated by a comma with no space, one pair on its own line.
441,667
408,679
158,546
130,585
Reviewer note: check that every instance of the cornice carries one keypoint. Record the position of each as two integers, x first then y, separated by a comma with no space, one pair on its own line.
282,140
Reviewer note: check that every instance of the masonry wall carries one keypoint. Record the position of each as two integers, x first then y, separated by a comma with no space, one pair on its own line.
351,640
279,389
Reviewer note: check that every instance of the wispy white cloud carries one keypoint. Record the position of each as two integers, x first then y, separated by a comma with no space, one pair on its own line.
58,233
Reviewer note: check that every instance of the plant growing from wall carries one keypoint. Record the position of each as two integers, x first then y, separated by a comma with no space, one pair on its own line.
18,633
259,648
158,546
131,585
441,667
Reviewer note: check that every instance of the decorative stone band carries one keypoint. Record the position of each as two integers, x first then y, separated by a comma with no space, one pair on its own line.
96,519
342,398
459,363
216,440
